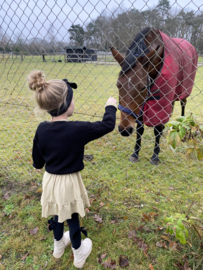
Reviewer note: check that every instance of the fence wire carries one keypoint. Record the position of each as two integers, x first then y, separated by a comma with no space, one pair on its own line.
72,40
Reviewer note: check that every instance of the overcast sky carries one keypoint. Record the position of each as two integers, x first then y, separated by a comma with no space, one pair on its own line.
33,18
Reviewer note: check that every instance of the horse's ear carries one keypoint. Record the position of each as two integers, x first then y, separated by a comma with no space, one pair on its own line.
117,56
151,59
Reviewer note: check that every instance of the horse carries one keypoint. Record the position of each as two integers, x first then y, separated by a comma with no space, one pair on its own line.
156,71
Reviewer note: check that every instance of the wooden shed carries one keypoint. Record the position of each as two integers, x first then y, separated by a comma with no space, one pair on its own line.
80,54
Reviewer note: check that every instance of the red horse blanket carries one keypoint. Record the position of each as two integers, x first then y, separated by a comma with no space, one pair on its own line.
175,81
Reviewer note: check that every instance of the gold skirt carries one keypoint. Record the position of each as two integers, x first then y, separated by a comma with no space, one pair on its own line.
63,195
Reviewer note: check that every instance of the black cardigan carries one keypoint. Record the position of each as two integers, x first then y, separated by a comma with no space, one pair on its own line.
60,145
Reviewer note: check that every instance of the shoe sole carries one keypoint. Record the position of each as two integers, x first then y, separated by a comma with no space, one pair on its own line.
80,265
58,255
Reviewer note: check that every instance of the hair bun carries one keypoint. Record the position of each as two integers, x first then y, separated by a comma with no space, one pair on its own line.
36,80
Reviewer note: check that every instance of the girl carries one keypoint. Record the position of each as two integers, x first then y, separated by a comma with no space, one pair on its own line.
59,145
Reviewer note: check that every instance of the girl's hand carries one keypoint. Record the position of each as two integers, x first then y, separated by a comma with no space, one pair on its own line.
111,100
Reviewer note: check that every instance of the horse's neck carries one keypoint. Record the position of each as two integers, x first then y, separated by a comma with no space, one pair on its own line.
153,74
152,42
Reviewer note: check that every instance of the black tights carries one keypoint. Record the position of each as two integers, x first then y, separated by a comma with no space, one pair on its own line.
74,230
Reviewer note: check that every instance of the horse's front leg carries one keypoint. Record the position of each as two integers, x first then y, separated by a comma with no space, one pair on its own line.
158,131
139,131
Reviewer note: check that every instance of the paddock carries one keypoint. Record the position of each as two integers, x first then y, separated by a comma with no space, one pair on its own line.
111,158
129,201
122,191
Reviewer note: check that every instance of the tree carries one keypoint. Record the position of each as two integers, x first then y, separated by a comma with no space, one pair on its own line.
98,33
77,34
4,41
52,38
19,44
92,34
163,9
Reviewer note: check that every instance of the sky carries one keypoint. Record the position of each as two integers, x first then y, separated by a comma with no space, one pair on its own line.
32,18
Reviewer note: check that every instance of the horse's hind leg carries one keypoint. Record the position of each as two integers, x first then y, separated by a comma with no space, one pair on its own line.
139,131
173,103
158,131
183,104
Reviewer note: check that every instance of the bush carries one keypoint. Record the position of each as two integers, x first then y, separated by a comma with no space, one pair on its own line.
185,129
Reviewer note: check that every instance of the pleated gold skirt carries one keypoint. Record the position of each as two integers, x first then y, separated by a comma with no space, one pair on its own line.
63,195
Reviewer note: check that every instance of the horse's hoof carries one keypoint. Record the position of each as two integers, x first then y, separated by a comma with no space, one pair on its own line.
154,162
134,159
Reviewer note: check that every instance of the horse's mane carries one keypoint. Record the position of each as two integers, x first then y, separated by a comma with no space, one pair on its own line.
137,48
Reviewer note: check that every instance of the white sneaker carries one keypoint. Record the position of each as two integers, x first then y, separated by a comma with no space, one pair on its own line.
59,246
81,254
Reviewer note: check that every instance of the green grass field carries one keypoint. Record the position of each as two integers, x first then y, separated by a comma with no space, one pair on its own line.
124,193
51,58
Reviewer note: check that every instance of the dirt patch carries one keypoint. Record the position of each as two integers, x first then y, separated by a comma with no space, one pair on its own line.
12,187
88,157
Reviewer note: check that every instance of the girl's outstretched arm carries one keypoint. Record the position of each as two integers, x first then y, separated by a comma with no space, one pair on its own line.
95,130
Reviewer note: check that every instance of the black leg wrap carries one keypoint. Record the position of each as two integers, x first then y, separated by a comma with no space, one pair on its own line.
139,131
135,155
158,130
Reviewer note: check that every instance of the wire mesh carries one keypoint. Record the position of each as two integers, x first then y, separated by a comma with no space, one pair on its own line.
71,40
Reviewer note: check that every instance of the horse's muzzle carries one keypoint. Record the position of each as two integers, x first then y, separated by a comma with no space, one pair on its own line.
125,132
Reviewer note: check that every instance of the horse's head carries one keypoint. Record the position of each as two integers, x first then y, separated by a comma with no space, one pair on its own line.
132,84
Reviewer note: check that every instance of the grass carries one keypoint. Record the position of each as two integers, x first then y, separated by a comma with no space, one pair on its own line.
128,191
200,59
51,58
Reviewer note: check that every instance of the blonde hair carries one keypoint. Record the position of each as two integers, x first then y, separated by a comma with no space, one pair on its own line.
50,95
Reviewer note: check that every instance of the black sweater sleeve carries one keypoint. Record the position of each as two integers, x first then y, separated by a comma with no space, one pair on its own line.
95,130
38,160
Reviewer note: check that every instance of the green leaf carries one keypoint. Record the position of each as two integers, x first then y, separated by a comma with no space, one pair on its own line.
183,217
182,238
201,127
190,120
187,126
178,229
191,153
186,233
180,119
173,124
180,235
199,153
180,224
168,124
182,132
169,219
171,231
173,138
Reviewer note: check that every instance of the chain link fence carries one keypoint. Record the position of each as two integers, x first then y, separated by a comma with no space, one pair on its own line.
40,35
